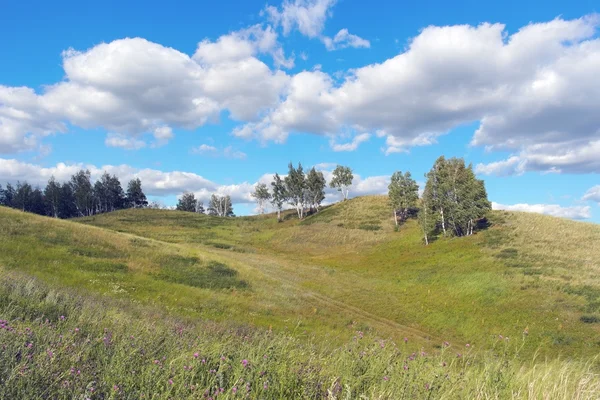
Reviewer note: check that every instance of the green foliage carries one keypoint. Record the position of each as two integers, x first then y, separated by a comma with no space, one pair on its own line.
279,194
262,196
341,180
403,192
295,188
315,188
220,206
135,195
187,202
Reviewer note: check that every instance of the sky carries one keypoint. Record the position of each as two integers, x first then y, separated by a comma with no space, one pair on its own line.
214,97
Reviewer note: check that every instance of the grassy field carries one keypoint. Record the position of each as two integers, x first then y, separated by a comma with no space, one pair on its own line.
523,294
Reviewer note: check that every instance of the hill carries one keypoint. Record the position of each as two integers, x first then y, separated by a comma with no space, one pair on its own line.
318,284
525,272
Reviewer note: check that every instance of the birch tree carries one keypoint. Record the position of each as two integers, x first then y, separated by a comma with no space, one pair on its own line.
52,194
342,180
295,185
279,194
262,196
315,188
220,206
403,194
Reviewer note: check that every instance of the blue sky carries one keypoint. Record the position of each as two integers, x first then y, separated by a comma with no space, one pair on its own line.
214,98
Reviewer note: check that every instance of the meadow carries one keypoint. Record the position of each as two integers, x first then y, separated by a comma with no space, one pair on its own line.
339,305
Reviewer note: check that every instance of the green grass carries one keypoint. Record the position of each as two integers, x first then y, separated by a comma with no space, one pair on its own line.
342,270
62,345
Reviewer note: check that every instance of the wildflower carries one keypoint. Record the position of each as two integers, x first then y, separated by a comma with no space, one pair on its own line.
446,344
170,381
245,363
76,330
385,378
196,355
405,367
234,390
223,358
467,345
360,334
203,361
62,317
50,353
458,355
115,388
405,340
427,386
500,337
266,386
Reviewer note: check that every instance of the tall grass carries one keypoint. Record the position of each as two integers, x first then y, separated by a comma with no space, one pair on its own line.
59,345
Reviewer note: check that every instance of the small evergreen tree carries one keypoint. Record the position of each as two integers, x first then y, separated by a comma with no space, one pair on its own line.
279,195
9,195
342,180
67,208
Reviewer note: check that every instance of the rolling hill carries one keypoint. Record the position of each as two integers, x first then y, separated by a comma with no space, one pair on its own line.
342,272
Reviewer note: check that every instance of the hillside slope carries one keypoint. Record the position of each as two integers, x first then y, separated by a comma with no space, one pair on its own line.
526,273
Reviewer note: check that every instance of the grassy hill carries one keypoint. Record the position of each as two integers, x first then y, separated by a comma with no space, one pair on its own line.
317,284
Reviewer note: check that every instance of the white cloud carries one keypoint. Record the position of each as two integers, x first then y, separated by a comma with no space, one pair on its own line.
204,149
227,152
308,16
344,39
574,212
353,145
124,142
534,92
230,152
510,166
134,87
593,194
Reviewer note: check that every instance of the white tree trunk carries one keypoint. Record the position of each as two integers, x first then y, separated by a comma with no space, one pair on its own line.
443,221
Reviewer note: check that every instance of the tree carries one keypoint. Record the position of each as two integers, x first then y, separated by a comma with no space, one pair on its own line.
187,202
342,180
403,194
279,195
22,198
427,220
435,189
315,188
295,184
199,207
262,196
67,208
83,192
36,202
52,194
8,196
220,206
456,195
135,195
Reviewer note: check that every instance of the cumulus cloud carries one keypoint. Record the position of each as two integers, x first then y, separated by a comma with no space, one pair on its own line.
353,145
593,194
344,39
204,149
123,141
133,87
308,17
574,212
534,92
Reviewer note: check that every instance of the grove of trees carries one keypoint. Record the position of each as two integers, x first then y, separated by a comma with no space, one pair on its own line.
452,203
77,197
